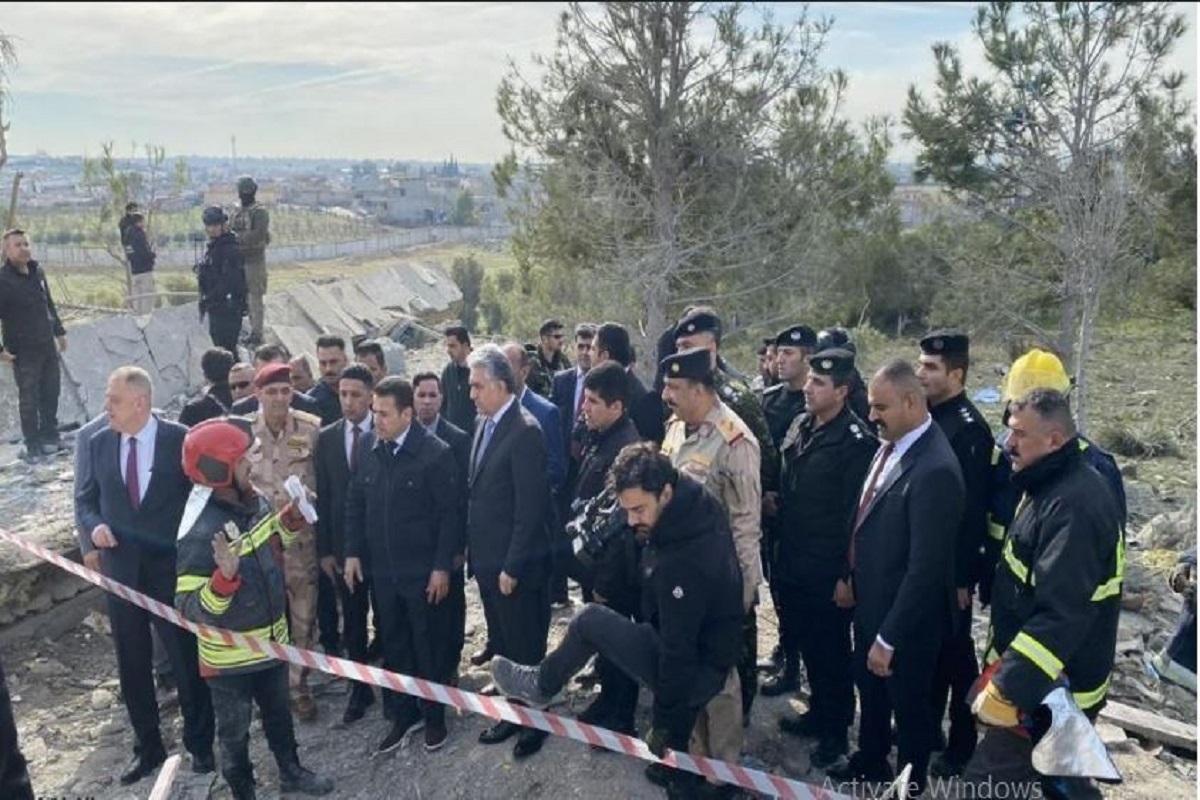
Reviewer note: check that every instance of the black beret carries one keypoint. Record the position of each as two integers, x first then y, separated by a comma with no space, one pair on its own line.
698,321
836,363
797,336
694,364
945,342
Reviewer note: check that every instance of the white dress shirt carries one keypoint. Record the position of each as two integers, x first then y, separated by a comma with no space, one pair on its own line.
398,442
146,438
348,434
579,374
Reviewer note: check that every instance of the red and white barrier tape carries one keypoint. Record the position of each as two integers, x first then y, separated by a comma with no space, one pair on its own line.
494,707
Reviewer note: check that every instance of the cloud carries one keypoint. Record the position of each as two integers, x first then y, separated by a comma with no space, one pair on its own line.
393,80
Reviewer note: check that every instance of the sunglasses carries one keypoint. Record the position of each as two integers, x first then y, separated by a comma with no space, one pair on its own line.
239,385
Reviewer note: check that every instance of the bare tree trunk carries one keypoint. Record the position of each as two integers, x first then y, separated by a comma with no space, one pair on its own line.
11,220
1087,326
1068,325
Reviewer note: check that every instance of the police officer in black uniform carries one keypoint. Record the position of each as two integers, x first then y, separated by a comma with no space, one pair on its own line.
781,404
826,455
943,363
839,338
222,278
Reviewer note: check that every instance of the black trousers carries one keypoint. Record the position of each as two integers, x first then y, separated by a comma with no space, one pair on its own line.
1182,648
232,696
517,623
14,773
416,641
224,327
618,691
904,693
788,610
329,621
355,606
1002,766
635,649
38,380
747,668
824,644
956,671
131,636
458,604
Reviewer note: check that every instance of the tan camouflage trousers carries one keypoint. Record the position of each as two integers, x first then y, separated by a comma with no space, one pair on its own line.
256,287
300,576
718,730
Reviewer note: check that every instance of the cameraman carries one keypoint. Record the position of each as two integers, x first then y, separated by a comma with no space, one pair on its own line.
612,578
691,641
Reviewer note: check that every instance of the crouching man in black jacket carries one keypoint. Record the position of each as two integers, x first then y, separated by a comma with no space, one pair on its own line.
692,599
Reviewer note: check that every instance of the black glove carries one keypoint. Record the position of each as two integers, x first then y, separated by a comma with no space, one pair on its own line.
656,740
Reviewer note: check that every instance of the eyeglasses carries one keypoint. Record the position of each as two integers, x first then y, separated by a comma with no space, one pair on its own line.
240,385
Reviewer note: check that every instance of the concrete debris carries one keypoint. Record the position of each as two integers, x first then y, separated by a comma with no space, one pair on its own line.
168,344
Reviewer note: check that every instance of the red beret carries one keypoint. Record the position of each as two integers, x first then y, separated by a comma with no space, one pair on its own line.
273,373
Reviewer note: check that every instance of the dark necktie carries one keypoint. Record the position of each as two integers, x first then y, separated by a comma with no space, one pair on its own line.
131,476
355,433
869,494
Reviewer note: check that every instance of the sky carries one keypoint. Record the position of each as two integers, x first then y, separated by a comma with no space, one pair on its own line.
381,81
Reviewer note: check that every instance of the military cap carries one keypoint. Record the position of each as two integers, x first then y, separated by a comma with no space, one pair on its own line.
214,215
836,362
699,320
762,348
246,185
945,342
797,336
836,337
694,364
273,373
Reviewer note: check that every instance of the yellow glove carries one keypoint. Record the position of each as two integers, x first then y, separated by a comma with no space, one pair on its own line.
992,708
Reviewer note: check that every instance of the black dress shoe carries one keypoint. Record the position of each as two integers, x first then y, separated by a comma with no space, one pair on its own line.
360,701
528,743
500,732
856,769
204,764
141,766
802,725
481,657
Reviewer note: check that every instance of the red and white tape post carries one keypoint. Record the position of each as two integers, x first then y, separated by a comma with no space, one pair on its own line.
494,707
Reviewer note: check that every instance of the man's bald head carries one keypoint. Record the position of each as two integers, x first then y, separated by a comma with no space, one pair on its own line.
897,400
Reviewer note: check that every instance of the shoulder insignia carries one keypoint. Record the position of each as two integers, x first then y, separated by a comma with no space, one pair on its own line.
729,430
727,391
677,593
966,414
857,431
307,418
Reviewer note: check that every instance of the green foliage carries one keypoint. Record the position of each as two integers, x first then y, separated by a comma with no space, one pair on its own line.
468,276
673,153
183,284
464,210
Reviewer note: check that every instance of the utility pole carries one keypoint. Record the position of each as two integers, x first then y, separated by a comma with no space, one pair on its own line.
233,147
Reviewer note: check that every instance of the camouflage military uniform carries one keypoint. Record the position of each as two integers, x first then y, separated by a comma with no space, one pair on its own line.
723,455
291,453
252,226
541,373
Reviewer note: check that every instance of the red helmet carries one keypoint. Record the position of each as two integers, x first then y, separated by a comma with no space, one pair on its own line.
212,449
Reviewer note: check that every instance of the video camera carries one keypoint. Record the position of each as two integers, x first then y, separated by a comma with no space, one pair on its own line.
594,523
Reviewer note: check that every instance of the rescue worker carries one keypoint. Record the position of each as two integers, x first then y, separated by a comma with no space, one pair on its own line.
230,575
942,370
709,443
289,439
252,224
1055,599
826,454
701,327
222,281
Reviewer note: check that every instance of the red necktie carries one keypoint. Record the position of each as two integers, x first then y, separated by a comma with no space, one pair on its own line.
869,494
131,476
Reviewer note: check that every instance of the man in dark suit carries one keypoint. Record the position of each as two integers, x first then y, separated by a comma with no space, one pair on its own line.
401,520
427,401
646,408
331,358
508,547
566,393
522,359
273,354
132,504
338,446
901,577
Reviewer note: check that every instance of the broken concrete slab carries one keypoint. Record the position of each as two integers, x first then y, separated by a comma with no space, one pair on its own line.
169,343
